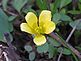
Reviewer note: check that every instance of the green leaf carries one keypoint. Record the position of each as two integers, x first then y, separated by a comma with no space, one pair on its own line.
11,18
78,47
10,26
28,48
43,48
4,4
59,17
53,42
77,34
55,6
18,4
29,10
74,12
64,3
65,17
41,4
31,56
51,6
56,18
5,26
65,51
79,0
63,11
73,23
52,51
79,6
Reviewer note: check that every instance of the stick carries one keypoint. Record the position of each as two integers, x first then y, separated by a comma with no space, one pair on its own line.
65,44
68,38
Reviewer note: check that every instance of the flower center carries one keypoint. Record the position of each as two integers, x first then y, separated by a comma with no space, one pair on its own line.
39,30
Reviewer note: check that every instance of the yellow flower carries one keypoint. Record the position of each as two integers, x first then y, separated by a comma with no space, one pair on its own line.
38,27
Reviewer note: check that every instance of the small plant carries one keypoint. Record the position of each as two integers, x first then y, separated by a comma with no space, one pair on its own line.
40,30
38,27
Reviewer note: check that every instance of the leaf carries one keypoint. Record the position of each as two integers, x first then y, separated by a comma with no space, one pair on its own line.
51,6
65,51
65,17
79,6
55,6
52,51
41,4
59,17
4,4
78,47
5,26
28,48
53,42
64,3
28,10
73,23
18,4
43,48
77,34
63,11
31,56
79,0
11,18
74,12
56,18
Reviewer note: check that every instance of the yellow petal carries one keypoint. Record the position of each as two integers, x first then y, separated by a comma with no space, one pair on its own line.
49,27
31,19
24,27
39,40
44,16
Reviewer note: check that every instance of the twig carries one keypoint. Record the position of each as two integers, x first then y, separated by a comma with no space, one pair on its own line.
68,38
60,55
11,13
72,31
6,57
65,43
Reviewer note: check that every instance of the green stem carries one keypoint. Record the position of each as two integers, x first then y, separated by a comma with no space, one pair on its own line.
65,44
75,57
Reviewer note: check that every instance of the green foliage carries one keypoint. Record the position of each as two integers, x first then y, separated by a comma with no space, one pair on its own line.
59,17
54,6
28,48
5,25
41,4
64,3
4,4
74,23
52,51
74,12
31,56
18,4
29,9
43,48
65,17
64,51
11,18
78,47
53,42
64,13
56,18
79,5
80,1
